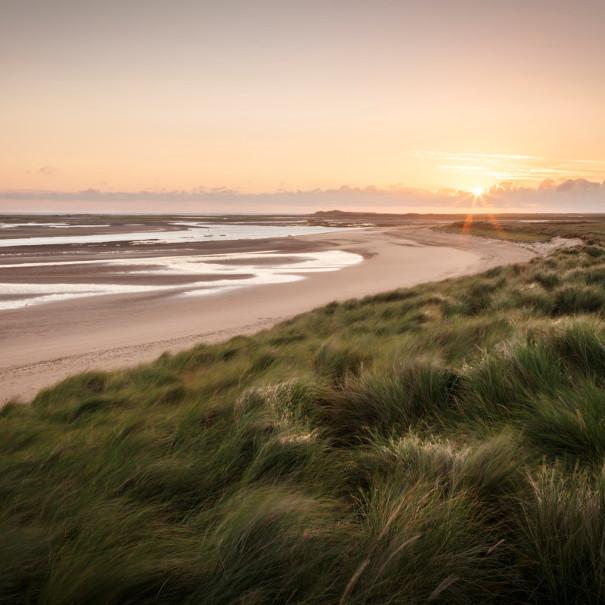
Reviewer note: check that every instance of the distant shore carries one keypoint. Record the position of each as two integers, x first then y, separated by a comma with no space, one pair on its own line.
43,344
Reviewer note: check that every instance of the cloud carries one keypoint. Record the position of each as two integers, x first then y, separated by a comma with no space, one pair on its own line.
572,195
48,170
578,185
516,167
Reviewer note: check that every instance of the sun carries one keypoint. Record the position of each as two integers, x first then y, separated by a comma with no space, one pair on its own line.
478,191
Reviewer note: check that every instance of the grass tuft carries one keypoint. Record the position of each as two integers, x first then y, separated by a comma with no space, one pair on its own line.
389,399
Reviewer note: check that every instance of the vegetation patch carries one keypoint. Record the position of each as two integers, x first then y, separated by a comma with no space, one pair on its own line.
438,444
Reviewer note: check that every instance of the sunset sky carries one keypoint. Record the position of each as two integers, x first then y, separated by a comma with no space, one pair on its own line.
273,97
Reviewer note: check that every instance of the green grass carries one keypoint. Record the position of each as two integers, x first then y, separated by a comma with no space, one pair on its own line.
498,229
440,444
503,227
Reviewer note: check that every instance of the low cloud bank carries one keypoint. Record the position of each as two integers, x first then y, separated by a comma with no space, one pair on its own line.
573,195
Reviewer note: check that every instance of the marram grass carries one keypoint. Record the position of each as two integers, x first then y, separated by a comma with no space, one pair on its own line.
440,444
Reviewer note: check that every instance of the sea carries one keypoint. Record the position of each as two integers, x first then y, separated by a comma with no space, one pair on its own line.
63,267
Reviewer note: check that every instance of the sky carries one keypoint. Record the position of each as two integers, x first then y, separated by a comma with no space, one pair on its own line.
301,105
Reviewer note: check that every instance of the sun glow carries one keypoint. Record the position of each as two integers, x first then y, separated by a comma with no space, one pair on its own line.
478,191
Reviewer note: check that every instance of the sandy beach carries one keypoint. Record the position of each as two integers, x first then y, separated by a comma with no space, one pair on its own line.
43,344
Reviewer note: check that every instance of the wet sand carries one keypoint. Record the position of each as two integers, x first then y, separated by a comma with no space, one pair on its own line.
43,344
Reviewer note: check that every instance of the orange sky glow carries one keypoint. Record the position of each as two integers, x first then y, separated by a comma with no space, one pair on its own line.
269,97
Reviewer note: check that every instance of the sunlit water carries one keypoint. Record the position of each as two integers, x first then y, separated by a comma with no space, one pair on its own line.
237,270
38,224
194,232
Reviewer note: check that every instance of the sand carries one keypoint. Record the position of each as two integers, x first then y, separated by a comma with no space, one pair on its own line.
43,344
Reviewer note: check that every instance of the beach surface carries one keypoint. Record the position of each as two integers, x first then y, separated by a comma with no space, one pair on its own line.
45,343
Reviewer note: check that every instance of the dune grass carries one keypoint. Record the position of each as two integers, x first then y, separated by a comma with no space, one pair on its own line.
513,229
440,444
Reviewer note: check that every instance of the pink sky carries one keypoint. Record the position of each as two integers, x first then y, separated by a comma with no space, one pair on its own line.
269,97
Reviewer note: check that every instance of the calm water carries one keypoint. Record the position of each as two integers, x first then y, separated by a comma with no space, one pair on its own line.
204,274
193,232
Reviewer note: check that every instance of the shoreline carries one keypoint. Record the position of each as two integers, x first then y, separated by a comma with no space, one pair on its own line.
47,343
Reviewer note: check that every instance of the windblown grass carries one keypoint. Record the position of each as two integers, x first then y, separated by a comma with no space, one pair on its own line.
590,229
440,444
